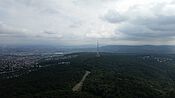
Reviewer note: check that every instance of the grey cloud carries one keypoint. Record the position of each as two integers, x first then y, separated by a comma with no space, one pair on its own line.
162,28
42,6
49,32
91,3
158,23
135,31
113,16
76,24
157,20
7,30
50,11
138,26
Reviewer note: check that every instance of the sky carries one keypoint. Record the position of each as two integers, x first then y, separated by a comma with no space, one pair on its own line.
82,22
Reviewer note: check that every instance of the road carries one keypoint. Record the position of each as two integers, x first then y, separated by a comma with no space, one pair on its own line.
79,85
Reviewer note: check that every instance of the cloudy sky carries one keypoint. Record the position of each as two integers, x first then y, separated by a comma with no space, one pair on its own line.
82,22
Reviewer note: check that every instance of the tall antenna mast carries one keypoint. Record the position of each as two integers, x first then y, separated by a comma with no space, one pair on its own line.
98,54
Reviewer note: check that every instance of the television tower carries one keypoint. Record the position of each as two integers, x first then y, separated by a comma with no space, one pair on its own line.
98,54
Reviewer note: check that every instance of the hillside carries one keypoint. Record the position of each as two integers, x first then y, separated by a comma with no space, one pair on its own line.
141,49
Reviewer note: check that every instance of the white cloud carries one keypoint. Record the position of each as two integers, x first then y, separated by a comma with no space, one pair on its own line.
101,35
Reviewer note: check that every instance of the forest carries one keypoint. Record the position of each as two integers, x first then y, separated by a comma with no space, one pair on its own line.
112,76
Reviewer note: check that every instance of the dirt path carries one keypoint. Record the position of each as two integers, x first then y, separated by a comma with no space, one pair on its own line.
79,85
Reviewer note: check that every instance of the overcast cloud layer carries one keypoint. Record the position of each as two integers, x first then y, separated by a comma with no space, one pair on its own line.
79,22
